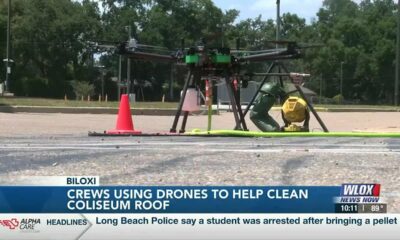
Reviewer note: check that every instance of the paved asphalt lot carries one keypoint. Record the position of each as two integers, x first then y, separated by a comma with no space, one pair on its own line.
208,161
57,144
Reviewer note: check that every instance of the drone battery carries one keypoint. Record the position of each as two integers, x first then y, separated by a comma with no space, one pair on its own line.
221,58
192,58
192,101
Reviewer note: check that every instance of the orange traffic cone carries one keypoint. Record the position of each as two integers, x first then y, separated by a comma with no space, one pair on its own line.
124,121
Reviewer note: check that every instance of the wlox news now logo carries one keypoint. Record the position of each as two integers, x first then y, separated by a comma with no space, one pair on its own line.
359,193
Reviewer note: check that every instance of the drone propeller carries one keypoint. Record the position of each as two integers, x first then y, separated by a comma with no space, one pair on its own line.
296,44
269,56
131,45
150,56
292,51
310,45
281,41
104,47
253,51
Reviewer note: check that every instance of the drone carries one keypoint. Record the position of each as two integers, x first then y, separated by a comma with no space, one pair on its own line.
206,64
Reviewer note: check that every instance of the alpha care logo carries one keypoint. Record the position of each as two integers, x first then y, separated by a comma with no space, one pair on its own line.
29,224
12,223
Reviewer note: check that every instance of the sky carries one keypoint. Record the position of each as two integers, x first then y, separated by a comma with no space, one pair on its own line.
267,8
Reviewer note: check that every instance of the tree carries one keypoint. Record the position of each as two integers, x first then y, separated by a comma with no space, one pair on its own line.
52,42
362,37
49,41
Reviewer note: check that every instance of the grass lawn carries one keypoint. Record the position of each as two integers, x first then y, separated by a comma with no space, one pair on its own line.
332,106
21,101
16,101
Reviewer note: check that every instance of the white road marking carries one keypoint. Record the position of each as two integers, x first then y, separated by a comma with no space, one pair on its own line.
17,145
217,149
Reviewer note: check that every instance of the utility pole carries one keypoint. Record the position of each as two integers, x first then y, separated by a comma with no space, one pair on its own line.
278,21
341,77
8,60
102,83
119,77
128,69
396,80
320,88
102,71
171,83
222,34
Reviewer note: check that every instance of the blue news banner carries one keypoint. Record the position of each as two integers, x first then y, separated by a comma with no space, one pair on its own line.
164,199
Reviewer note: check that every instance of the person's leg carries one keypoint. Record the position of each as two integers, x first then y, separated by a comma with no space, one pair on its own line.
259,113
265,123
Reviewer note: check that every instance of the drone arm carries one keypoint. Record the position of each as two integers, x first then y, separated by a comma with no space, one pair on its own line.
270,56
150,56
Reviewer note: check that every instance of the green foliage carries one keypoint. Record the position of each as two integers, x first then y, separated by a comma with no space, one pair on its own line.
338,99
50,43
363,38
82,89
35,87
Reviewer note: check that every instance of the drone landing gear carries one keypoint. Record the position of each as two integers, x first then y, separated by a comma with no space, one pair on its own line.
233,96
179,110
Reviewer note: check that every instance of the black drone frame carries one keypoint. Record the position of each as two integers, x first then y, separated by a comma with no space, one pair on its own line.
229,72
